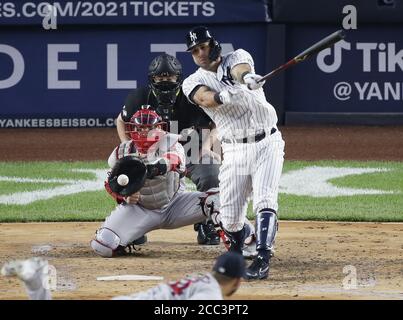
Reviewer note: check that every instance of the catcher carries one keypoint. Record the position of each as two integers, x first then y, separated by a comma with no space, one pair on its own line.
147,181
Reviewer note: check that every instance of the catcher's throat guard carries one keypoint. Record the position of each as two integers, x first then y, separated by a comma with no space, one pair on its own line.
135,169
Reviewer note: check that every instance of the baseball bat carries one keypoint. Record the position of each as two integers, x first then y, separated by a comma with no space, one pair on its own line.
311,51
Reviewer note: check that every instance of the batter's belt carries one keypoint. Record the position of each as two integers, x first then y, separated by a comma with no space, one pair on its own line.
260,135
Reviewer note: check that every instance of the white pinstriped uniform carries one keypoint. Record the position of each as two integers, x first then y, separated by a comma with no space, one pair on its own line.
247,167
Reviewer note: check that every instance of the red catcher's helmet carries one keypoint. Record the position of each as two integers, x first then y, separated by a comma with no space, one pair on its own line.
145,128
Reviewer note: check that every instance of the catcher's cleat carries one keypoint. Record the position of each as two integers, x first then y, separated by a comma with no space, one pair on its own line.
258,270
26,270
125,251
130,248
207,234
140,241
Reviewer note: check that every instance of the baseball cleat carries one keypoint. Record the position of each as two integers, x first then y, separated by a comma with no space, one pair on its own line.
258,270
131,247
207,234
26,270
140,241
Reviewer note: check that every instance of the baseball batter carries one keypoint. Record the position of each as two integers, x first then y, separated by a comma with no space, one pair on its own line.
227,89
161,203
223,281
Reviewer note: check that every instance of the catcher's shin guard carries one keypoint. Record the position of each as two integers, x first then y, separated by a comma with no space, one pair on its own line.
266,229
105,243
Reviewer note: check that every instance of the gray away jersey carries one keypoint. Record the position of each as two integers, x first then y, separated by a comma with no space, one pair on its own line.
249,112
202,287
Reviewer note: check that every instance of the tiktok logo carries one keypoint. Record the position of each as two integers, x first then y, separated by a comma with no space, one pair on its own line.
375,56
337,57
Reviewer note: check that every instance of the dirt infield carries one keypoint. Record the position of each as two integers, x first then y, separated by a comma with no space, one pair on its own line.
310,256
308,263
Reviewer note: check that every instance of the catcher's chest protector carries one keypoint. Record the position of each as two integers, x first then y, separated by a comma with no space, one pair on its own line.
158,192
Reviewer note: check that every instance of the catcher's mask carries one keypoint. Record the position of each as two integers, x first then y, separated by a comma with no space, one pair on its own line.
165,79
145,128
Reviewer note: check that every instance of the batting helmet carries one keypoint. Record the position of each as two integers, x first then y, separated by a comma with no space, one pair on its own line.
199,35
165,92
145,128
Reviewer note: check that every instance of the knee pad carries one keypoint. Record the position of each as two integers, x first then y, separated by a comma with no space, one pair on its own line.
105,243
266,229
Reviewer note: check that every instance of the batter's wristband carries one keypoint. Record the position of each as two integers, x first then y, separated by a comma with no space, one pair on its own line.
217,98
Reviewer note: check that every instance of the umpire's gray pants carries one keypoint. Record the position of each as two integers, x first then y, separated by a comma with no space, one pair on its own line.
205,174
131,221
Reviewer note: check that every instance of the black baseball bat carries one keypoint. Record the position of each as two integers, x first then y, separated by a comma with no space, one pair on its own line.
311,51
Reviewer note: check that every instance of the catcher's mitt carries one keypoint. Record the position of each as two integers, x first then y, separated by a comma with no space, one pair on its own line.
135,169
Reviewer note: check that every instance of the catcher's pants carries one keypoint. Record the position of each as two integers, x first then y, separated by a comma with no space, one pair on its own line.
130,222
249,168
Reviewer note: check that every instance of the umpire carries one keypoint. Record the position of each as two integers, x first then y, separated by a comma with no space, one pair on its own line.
165,94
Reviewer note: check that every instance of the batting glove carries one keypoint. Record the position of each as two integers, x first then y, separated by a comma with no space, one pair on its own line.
251,80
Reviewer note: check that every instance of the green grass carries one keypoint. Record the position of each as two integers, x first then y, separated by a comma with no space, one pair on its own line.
85,206
357,208
96,205
49,170
8,187
349,208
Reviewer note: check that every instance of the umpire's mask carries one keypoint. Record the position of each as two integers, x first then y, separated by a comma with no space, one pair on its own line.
165,79
165,93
